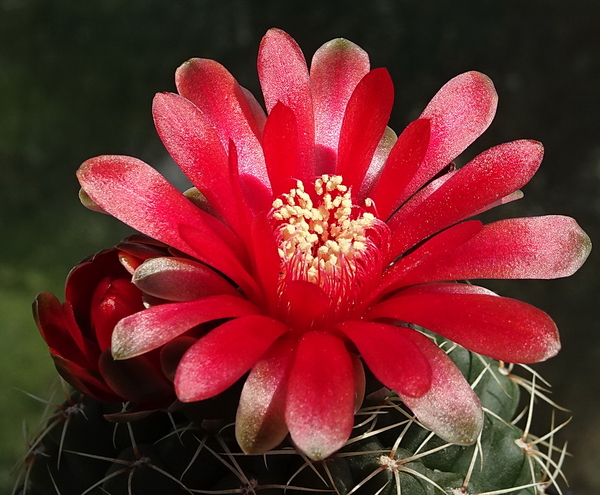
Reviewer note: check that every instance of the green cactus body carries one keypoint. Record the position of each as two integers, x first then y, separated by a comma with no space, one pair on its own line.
80,452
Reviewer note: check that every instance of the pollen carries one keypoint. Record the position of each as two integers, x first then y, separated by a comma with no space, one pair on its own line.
321,234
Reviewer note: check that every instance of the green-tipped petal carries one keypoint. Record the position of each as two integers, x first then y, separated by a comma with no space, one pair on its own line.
450,409
260,422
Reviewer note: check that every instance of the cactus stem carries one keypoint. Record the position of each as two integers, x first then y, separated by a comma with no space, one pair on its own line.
107,477
238,471
505,490
307,463
477,452
492,413
397,467
164,473
53,482
423,454
176,431
61,413
485,370
60,410
500,368
330,477
395,402
423,443
196,454
66,414
62,440
360,484
374,432
249,485
34,450
128,467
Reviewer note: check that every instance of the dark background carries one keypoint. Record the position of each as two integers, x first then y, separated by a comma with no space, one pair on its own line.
77,80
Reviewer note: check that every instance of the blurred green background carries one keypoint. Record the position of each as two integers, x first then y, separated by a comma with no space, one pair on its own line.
77,80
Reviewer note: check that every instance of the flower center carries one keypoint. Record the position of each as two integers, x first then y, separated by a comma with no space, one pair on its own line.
325,239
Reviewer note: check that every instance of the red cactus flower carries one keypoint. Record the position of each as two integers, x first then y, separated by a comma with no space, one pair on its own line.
323,239
99,293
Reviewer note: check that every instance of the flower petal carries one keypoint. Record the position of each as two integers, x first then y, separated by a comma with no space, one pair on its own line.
498,327
221,357
258,112
260,421
365,120
509,198
194,144
172,352
88,203
141,332
81,379
459,113
387,142
391,355
335,70
284,78
450,408
400,274
518,248
403,162
360,381
141,246
217,94
266,259
320,403
180,279
139,196
280,145
112,301
136,379
489,177
58,327
235,270
303,303
83,279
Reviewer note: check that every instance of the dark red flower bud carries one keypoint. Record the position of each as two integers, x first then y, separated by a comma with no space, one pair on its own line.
99,293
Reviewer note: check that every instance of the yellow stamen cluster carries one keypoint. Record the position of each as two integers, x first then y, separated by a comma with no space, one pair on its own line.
322,238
